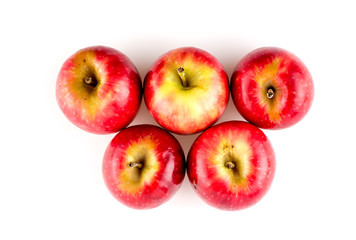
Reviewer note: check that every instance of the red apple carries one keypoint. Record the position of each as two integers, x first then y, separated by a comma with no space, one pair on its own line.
99,90
272,88
186,90
231,165
143,166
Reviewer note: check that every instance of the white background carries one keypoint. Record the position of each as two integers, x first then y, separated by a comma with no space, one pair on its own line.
51,185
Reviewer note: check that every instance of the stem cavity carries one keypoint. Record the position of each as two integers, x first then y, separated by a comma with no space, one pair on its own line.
230,165
270,93
136,165
91,81
229,157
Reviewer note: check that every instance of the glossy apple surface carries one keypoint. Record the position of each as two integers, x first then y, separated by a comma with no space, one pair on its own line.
231,165
143,166
186,90
99,90
272,88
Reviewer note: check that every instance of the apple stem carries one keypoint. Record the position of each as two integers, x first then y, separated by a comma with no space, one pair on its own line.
181,74
270,93
90,81
230,165
136,164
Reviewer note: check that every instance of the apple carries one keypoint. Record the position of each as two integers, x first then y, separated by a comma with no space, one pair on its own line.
186,90
231,165
99,90
272,88
143,166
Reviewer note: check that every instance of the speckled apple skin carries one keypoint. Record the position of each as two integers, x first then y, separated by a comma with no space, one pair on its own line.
214,183
160,182
115,101
276,67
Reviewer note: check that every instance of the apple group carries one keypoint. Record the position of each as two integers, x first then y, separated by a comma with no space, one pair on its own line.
230,165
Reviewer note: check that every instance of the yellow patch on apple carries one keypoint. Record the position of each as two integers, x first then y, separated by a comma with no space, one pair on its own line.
84,66
232,156
265,78
133,179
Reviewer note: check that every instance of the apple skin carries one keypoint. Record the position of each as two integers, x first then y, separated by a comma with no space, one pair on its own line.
221,184
192,108
161,173
284,73
99,90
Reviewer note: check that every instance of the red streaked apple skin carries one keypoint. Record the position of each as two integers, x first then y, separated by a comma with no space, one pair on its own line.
277,68
186,110
253,155
109,106
165,163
